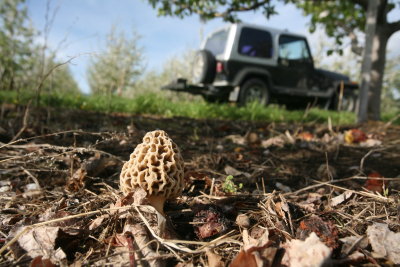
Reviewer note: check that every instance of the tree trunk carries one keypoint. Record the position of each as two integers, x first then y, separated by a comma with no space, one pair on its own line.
377,72
369,56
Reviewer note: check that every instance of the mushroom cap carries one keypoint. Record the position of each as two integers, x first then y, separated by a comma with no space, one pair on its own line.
156,165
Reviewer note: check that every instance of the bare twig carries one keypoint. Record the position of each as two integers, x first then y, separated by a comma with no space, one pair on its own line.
24,122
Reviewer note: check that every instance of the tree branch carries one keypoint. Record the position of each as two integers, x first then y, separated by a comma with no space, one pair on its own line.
394,27
242,8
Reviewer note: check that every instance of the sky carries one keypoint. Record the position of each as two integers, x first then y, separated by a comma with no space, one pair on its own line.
80,27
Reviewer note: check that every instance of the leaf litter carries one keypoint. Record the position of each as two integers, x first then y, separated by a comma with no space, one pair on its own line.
309,194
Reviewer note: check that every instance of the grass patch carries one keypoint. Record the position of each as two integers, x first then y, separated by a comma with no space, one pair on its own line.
152,103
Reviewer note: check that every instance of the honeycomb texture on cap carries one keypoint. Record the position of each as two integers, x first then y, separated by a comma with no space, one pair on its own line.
156,165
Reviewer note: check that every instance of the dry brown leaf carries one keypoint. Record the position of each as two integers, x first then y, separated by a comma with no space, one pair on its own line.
40,262
375,185
244,259
308,253
214,260
306,136
229,170
41,241
277,141
384,242
283,187
236,139
341,198
97,222
371,143
326,230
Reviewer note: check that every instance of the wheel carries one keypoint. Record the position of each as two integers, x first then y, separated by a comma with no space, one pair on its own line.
204,67
348,103
254,90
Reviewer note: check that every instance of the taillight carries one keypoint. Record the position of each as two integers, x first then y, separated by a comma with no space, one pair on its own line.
220,67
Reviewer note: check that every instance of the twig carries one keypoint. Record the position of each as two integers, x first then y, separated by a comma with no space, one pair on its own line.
24,122
129,239
366,155
39,136
35,180
391,121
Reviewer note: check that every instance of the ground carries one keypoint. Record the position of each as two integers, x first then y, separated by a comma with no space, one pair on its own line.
245,182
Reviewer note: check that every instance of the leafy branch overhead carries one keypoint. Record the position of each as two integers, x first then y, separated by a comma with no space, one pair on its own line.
210,9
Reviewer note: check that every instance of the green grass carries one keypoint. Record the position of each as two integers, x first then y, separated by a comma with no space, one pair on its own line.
156,104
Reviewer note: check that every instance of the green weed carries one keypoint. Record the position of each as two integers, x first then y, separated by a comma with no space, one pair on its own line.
229,185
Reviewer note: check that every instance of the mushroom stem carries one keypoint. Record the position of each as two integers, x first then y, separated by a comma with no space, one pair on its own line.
158,203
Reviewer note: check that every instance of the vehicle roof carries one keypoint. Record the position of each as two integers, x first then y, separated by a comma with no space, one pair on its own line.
256,26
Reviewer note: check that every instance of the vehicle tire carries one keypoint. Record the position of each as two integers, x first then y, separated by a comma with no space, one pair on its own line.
203,67
349,103
254,90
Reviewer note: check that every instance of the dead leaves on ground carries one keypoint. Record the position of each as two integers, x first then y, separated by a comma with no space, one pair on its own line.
302,222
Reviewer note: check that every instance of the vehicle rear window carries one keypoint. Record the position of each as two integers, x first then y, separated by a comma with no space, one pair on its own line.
255,43
216,43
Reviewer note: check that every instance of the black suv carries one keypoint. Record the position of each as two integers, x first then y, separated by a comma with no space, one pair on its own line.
245,63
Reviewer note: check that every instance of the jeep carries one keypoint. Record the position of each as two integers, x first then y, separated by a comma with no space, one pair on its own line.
245,63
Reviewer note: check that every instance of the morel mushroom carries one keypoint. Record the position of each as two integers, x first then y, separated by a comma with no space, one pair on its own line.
156,166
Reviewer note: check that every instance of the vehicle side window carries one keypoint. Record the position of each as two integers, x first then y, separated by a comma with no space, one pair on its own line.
293,48
216,43
255,43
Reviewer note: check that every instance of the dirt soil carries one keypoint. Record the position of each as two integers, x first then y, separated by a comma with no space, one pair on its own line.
59,174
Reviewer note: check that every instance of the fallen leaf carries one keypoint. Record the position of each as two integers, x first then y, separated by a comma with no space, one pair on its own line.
384,242
306,136
40,262
354,136
41,241
341,198
310,252
209,221
236,139
351,243
277,141
214,260
371,143
31,187
97,222
283,187
244,259
243,221
229,170
374,184
326,231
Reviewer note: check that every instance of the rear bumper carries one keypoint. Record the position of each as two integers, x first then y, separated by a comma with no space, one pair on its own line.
181,85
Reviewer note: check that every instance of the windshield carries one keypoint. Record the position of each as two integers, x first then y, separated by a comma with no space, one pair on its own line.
216,42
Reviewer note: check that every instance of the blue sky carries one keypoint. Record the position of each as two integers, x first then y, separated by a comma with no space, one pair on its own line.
80,27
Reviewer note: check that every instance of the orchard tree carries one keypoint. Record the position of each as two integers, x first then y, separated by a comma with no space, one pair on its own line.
177,66
118,67
15,39
341,19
